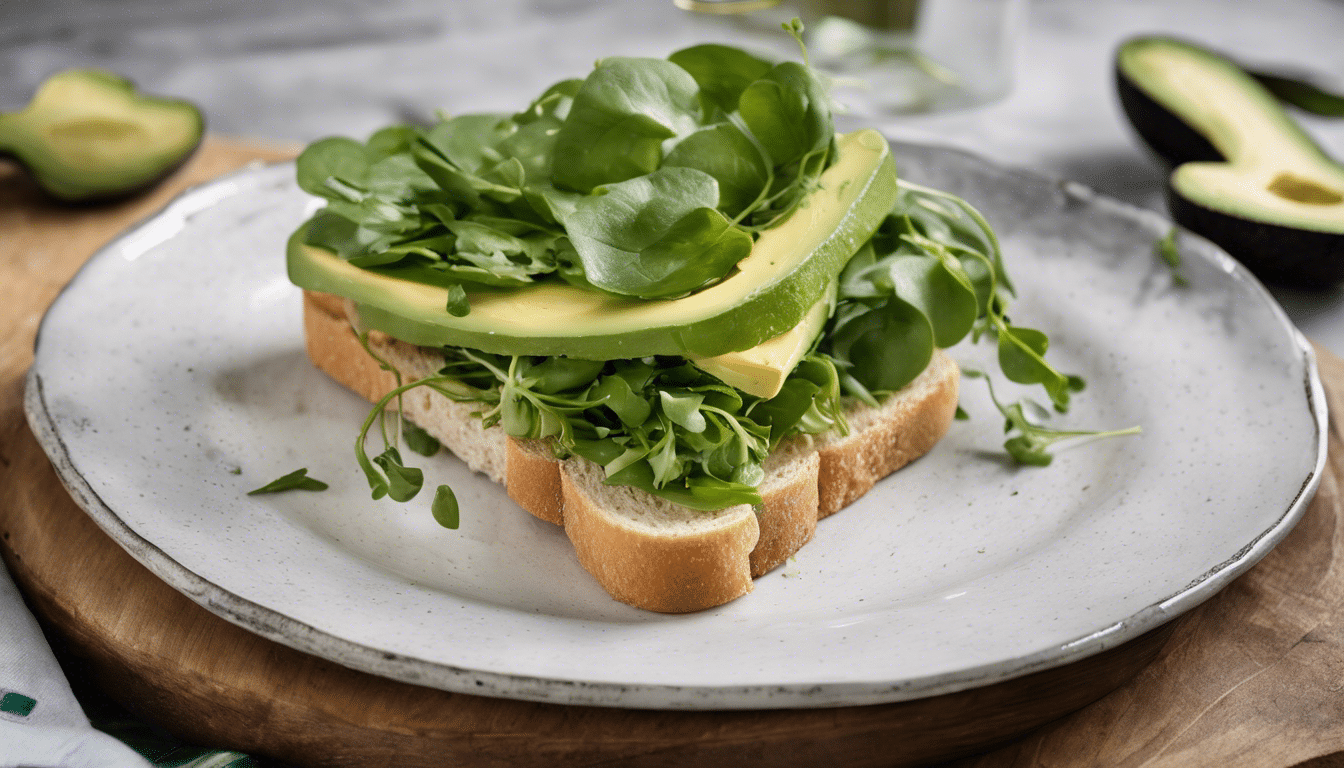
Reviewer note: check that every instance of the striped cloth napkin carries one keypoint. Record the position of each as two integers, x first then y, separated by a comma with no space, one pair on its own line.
42,724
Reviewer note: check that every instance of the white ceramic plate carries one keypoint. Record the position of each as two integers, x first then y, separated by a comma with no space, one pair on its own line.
170,378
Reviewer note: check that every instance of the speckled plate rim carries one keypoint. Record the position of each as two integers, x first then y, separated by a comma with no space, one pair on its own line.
278,627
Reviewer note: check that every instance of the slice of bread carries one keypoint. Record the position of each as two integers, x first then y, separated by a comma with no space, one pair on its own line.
646,551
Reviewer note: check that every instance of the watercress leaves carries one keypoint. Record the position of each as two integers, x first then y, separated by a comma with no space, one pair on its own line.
722,72
1022,359
930,275
297,480
659,424
787,111
731,143
338,158
1030,443
419,440
657,235
808,402
885,347
444,508
402,482
619,119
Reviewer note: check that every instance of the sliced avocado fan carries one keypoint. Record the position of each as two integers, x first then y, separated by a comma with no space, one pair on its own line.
1246,175
90,135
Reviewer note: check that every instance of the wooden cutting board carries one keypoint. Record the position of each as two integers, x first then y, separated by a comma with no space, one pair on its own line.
1254,677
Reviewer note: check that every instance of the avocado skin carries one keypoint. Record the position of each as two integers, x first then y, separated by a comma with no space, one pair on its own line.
1286,256
1166,134
1277,253
83,198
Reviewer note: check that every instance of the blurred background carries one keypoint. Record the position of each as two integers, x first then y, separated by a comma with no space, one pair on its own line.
296,71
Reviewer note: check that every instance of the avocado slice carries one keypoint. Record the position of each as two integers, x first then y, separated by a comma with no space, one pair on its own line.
771,290
1246,175
90,135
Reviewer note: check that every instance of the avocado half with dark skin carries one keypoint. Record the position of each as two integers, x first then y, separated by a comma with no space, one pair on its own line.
1245,174
90,135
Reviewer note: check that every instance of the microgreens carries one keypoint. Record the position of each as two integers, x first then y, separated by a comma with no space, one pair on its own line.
1032,442
1166,249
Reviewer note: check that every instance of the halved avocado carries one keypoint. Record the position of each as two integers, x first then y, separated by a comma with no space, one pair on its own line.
1246,176
789,268
90,135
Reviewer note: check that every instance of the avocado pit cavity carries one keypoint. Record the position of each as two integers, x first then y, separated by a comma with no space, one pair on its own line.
1306,191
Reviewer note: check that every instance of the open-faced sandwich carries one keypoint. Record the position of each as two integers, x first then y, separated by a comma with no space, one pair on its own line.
666,306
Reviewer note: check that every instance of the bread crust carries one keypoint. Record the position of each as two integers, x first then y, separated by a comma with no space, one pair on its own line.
644,550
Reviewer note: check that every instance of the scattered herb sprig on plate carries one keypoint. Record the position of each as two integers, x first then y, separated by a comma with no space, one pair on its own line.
298,480
1168,251
1031,442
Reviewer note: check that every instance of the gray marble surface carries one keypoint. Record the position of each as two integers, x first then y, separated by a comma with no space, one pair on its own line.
300,70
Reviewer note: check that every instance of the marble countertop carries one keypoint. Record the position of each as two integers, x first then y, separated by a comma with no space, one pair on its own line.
300,70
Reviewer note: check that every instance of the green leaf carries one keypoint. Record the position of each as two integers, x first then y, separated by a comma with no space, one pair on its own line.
532,147
457,304
807,403
783,411
1020,353
297,480
683,408
887,347
560,374
553,104
1171,255
725,153
463,158
417,439
339,234
945,298
619,119
1032,444
665,463
333,158
518,416
656,236
470,142
615,393
485,245
396,178
403,483
787,111
721,71
703,493
392,140
601,452
444,507
551,204
1024,450
1022,359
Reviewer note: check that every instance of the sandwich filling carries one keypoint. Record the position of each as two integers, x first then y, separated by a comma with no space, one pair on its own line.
646,184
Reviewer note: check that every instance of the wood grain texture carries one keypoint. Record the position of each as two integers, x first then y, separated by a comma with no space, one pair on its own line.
1253,677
